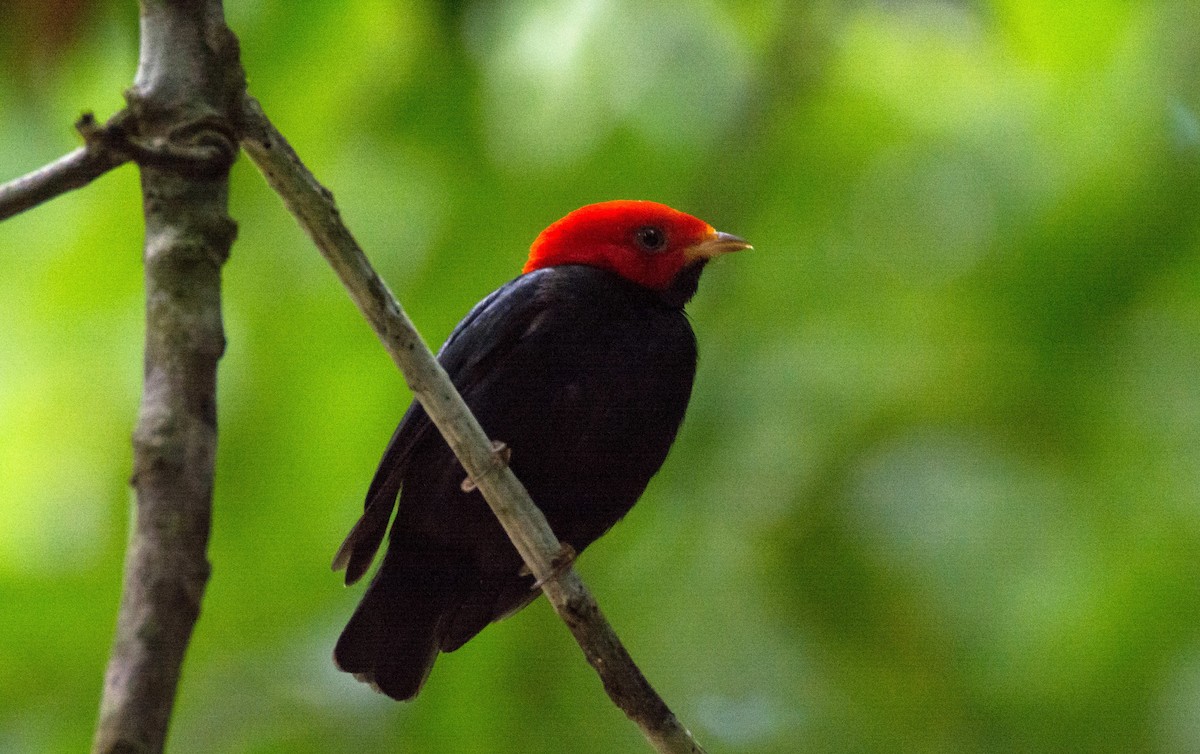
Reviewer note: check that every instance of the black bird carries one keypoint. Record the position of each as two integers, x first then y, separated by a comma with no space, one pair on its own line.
583,367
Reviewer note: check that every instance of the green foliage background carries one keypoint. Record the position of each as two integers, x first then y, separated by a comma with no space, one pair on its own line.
938,487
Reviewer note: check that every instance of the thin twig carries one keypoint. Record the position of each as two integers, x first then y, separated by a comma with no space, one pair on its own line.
314,208
74,170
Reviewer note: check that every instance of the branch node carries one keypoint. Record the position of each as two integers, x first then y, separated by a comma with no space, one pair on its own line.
204,148
501,455
87,127
559,564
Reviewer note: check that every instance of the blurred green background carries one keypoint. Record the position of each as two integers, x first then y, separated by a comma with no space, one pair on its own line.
938,486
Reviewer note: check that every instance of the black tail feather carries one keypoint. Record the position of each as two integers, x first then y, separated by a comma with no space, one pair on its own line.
361,544
487,602
392,639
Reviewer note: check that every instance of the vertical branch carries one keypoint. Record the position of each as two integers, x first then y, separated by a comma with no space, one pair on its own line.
181,134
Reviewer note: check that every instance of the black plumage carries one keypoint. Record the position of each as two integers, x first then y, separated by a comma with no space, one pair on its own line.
586,376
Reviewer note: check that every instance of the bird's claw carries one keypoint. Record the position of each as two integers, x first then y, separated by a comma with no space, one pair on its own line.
501,454
559,565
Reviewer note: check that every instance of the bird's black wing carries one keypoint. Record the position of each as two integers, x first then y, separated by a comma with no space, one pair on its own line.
587,379
359,548
494,324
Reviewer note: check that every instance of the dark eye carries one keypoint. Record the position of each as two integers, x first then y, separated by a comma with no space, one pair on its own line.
651,238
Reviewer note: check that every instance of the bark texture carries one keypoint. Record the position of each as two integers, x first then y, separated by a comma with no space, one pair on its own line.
183,117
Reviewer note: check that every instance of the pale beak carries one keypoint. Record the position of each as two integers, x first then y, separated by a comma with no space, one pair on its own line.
714,245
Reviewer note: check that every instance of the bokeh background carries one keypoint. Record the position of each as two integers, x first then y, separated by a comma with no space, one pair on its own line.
938,486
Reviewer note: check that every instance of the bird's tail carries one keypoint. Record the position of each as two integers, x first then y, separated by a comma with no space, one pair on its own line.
392,639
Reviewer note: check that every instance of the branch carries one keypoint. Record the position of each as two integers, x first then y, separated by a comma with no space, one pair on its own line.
74,170
314,208
181,115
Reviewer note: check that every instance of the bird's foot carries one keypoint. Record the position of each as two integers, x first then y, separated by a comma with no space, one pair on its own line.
559,565
501,454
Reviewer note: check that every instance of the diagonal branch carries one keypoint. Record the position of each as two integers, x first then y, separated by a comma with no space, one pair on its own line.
314,208
71,171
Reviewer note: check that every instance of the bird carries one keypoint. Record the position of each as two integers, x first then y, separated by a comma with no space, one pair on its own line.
582,367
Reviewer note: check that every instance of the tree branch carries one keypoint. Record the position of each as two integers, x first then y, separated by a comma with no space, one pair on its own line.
74,170
183,108
314,208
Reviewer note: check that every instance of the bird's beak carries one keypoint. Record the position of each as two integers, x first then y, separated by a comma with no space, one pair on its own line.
715,244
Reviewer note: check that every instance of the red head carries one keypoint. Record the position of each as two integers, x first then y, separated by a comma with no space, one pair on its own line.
646,242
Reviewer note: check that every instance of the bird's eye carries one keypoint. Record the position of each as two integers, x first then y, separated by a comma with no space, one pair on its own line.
651,238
